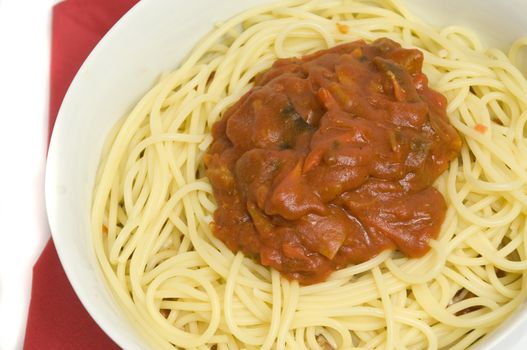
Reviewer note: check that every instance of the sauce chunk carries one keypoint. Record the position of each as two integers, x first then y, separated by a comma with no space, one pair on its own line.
329,160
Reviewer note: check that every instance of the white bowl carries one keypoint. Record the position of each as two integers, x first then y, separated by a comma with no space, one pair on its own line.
152,38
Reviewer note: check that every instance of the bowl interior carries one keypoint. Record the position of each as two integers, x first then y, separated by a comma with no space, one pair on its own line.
153,38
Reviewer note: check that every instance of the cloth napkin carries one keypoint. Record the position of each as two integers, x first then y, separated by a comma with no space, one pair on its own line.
57,320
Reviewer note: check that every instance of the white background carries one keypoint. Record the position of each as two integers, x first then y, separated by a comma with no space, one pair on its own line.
24,80
25,27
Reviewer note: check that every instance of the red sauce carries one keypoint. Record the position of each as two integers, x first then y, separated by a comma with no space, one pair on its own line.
480,128
329,160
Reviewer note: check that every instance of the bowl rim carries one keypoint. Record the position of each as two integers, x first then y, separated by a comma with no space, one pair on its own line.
51,177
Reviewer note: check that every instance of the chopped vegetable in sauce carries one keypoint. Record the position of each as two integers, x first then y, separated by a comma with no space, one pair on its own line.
330,159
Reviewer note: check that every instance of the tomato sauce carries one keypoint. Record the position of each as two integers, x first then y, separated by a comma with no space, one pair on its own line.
330,159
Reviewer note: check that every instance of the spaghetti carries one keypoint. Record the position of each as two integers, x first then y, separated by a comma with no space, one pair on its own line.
183,288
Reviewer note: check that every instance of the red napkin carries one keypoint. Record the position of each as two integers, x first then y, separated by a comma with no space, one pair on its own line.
57,320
